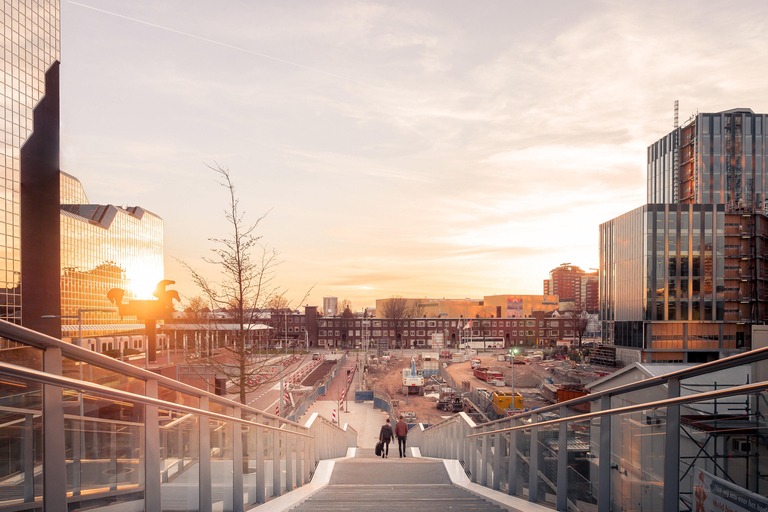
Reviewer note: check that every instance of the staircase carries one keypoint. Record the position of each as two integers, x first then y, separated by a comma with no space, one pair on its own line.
370,483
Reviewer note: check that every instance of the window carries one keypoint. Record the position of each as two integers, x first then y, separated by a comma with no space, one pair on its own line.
377,332
419,333
420,323
529,333
431,323
530,323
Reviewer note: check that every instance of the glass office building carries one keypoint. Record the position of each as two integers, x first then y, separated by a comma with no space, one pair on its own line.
683,282
105,247
30,151
714,158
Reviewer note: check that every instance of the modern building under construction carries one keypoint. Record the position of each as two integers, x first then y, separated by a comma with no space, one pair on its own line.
684,277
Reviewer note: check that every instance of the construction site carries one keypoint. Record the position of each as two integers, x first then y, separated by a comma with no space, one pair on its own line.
427,387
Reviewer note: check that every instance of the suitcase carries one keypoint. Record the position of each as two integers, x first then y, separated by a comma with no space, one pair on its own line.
379,447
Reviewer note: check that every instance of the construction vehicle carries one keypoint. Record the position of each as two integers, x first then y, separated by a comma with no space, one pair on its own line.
449,401
488,374
413,381
505,402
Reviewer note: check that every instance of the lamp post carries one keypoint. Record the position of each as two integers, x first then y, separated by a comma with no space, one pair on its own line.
79,317
512,353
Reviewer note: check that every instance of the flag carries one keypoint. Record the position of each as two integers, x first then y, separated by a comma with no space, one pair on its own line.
469,325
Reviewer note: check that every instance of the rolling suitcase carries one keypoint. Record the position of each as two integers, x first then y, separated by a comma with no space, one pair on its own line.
379,447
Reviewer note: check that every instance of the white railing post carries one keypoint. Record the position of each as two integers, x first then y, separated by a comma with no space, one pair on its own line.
204,464
672,452
276,461
151,451
261,482
485,457
289,458
54,462
604,458
498,453
562,462
533,462
512,474
237,462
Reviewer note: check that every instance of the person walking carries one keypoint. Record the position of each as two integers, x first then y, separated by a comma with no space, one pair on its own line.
385,436
401,431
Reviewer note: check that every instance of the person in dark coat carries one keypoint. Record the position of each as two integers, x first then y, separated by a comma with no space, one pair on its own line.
385,436
401,431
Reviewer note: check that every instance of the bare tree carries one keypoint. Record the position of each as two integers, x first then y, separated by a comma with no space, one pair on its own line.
345,305
246,271
400,310
580,324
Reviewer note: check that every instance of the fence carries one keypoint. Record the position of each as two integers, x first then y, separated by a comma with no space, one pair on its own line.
318,390
647,445
138,440
382,400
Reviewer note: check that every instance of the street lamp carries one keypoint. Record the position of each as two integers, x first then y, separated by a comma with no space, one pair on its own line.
512,353
79,317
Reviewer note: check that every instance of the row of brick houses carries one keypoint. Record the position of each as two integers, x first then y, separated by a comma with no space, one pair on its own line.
539,329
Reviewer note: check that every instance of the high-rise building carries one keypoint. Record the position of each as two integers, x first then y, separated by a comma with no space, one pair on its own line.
714,158
105,247
684,277
576,289
330,306
30,158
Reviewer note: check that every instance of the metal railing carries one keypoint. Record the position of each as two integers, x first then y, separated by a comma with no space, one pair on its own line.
115,434
646,445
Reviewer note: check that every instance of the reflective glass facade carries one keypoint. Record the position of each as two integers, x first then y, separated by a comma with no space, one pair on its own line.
104,247
681,278
30,54
715,158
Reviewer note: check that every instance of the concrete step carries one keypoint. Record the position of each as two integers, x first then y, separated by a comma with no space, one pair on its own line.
368,498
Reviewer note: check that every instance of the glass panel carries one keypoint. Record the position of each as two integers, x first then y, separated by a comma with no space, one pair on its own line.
179,452
250,467
524,450
637,460
548,450
105,452
582,469
221,465
21,450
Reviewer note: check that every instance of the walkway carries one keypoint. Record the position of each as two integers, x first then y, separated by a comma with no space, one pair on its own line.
366,420
369,483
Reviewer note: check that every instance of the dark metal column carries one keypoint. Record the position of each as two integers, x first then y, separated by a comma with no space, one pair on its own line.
672,452
604,459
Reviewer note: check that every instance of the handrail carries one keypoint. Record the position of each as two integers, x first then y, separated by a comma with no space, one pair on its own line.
726,363
41,341
682,400
66,382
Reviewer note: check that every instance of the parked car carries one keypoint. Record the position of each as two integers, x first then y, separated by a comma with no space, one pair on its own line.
316,356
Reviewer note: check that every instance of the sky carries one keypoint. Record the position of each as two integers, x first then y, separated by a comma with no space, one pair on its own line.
422,149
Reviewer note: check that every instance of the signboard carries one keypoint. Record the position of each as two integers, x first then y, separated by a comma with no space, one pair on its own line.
514,307
713,494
